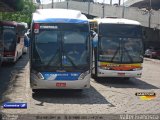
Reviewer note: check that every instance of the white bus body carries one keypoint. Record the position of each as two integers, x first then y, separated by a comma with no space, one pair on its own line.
55,32
119,48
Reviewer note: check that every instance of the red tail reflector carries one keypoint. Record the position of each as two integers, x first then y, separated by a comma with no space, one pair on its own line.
36,26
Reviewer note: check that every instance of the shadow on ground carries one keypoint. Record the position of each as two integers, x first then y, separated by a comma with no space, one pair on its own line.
125,83
87,96
7,73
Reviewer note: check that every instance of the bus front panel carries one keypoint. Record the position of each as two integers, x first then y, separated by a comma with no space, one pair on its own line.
120,50
60,56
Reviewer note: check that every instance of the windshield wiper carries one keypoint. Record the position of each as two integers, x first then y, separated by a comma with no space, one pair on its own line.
52,58
128,55
73,64
115,54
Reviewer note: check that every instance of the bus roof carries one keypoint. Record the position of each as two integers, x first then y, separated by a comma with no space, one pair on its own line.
59,16
117,21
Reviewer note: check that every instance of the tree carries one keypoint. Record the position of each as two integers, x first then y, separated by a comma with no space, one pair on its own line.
16,5
21,16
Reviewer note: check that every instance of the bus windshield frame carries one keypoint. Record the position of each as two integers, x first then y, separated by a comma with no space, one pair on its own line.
56,40
120,43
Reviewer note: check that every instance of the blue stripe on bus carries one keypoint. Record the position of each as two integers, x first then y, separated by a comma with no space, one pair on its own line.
60,20
61,75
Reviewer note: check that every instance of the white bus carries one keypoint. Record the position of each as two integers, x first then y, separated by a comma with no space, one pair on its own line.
12,38
119,48
60,50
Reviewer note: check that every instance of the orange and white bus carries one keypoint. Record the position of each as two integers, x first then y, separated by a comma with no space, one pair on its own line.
119,48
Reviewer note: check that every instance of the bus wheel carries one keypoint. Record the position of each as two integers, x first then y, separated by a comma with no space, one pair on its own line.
79,90
34,91
94,77
126,78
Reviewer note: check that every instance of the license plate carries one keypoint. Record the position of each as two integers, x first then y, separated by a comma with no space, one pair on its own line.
61,84
121,74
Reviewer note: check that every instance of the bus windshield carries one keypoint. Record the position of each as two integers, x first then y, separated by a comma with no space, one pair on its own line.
75,49
47,47
121,48
9,36
120,30
64,48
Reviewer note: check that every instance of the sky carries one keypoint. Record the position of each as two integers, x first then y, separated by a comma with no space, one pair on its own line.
100,1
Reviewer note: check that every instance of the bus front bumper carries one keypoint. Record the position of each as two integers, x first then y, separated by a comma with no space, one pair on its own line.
112,73
59,84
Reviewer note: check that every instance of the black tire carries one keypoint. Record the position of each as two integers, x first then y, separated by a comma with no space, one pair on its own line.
94,76
34,91
79,90
126,78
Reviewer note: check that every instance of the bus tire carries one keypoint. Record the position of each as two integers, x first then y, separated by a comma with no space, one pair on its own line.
94,76
79,90
34,91
126,78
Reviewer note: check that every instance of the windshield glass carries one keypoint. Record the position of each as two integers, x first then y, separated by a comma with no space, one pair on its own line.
64,46
75,49
109,48
47,48
120,50
9,36
120,43
120,30
132,51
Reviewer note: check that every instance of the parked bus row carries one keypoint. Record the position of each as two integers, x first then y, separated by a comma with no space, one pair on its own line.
12,36
61,49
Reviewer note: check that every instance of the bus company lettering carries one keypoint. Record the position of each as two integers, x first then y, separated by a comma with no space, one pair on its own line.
49,27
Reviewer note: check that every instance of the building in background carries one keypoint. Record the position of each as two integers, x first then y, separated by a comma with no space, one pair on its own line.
154,4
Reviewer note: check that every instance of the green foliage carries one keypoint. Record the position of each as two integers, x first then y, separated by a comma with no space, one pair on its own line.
21,16
15,4
19,5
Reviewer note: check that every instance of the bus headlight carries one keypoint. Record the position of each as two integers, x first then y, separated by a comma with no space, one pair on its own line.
83,75
37,75
40,76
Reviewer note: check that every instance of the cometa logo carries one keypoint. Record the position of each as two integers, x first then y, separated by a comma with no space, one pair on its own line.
146,95
14,105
